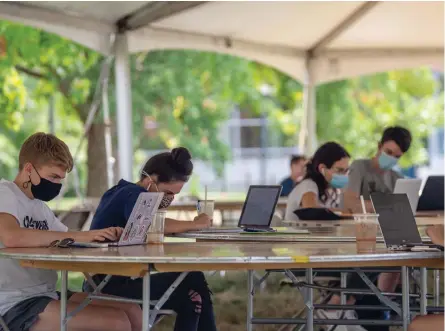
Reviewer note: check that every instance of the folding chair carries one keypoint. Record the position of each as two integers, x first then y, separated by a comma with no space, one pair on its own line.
78,218
160,314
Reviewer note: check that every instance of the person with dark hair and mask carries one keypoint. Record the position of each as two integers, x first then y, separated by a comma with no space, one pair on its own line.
326,175
167,173
377,174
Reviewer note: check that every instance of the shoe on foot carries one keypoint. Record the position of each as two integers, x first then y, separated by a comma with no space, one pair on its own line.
338,314
332,315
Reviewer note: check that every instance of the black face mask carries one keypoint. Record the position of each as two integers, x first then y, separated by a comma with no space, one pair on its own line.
166,200
45,190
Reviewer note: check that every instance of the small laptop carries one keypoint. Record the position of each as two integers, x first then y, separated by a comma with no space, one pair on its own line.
432,197
138,224
410,187
397,222
258,210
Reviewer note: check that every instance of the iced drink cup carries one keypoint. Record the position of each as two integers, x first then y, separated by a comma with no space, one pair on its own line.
207,208
366,228
155,234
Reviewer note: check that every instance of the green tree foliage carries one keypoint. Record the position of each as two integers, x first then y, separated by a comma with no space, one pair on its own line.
186,94
410,98
355,112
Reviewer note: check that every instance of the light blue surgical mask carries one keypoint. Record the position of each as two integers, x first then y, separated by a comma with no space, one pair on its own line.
339,181
387,162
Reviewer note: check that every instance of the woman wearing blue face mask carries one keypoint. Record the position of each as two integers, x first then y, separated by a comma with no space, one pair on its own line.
327,174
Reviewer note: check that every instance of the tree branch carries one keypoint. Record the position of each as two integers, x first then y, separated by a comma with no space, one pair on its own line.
30,72
361,107
64,86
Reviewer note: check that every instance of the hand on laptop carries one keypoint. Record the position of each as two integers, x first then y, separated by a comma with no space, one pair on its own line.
109,234
436,234
202,221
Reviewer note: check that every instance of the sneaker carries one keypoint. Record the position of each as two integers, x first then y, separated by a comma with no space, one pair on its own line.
331,314
338,314
352,315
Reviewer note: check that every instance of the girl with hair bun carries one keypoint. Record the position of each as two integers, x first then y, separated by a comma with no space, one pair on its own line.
167,173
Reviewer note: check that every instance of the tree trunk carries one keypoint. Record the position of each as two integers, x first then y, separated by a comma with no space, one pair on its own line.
97,161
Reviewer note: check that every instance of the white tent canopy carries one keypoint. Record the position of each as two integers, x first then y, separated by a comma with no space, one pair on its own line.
312,41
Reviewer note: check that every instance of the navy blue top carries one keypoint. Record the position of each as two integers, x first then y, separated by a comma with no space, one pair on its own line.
116,205
288,185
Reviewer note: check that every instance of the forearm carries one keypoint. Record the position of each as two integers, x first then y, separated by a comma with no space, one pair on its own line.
175,226
38,238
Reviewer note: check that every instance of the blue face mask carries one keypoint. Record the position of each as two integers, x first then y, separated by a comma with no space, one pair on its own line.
339,181
387,162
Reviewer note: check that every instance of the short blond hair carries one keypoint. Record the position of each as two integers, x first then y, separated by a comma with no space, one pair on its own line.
45,149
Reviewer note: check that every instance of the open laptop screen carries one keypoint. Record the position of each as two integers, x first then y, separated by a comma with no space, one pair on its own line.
432,197
396,219
259,206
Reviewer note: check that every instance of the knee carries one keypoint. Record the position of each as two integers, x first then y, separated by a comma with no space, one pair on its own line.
197,282
119,322
196,301
133,310
416,324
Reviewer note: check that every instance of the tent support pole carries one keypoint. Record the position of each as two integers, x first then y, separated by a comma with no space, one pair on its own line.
107,134
308,129
124,111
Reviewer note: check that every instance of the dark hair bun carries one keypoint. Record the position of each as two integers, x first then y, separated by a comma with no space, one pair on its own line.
181,155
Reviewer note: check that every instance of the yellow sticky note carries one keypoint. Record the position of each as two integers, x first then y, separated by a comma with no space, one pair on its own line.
300,259
281,251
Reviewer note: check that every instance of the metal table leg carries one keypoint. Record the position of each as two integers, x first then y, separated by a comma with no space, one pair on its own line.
146,302
309,301
436,288
249,299
343,284
63,300
405,298
423,290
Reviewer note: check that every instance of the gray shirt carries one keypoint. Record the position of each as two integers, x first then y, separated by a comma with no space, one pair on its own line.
16,282
365,179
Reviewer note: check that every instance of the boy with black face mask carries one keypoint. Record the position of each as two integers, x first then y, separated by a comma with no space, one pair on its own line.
28,297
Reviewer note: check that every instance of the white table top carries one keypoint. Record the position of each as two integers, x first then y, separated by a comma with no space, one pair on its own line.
216,253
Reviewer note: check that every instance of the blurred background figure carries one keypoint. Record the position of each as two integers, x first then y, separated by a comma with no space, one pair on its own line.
297,172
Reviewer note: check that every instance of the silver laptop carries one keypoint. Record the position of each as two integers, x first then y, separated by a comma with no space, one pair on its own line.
410,187
137,226
397,222
257,213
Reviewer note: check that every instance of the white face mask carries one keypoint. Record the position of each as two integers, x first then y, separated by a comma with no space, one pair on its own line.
166,200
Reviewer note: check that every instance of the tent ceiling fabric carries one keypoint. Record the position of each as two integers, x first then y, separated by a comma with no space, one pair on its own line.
343,38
